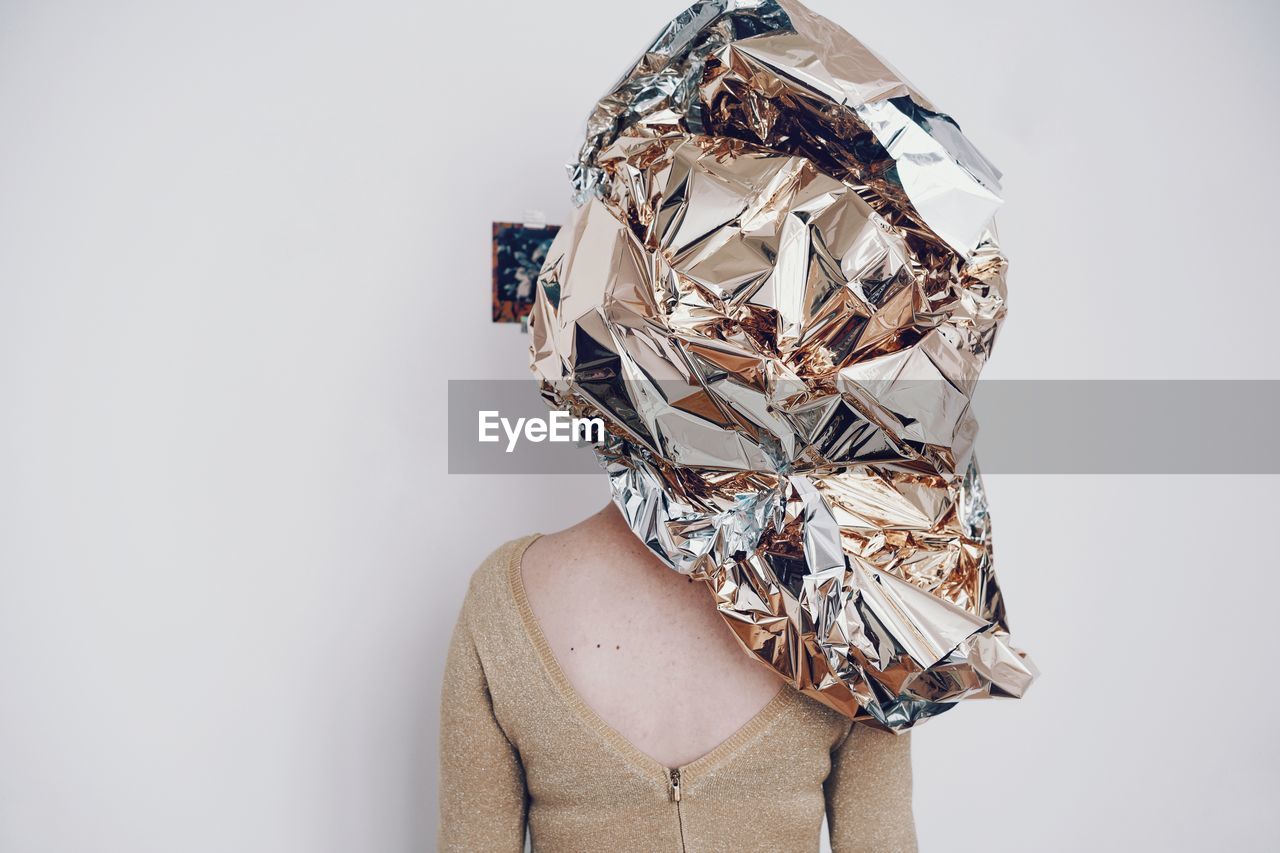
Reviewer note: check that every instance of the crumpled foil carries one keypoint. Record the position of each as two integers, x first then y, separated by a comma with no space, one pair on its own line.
778,290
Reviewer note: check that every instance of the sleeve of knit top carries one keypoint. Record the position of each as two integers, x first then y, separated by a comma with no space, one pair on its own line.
482,790
868,793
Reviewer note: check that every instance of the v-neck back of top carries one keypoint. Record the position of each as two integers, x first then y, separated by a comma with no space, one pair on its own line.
581,785
781,700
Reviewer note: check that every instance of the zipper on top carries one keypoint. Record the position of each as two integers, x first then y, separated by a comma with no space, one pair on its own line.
674,790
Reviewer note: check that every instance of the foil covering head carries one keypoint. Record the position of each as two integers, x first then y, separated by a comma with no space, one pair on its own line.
778,290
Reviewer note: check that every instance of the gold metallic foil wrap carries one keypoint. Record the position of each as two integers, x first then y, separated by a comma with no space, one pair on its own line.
778,290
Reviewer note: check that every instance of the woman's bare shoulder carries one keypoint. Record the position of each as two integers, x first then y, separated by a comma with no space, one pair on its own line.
597,563
582,544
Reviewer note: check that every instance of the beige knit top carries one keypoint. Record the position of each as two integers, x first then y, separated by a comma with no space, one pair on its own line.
518,747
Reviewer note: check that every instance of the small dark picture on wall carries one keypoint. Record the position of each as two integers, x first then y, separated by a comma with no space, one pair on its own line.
518,253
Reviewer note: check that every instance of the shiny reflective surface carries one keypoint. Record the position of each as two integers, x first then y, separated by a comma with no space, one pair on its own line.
779,290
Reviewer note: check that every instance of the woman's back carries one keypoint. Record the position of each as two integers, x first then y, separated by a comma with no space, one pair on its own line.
594,695
641,644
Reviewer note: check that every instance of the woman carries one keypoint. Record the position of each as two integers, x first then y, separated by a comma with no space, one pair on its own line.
571,704
778,290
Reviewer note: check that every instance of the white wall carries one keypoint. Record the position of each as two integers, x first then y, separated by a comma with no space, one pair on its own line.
244,244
